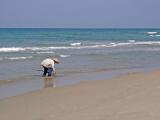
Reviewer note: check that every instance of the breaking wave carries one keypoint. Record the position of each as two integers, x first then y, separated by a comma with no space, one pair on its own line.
76,44
40,50
44,52
16,58
64,56
152,33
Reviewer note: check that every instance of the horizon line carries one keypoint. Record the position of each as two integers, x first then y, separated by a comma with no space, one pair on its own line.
79,28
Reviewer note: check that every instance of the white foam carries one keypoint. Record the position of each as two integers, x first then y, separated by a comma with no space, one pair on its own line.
148,43
36,48
131,41
124,44
75,44
18,58
64,56
151,33
93,46
110,45
154,35
11,49
41,50
45,52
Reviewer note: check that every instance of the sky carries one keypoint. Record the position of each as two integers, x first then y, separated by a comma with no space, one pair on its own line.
79,14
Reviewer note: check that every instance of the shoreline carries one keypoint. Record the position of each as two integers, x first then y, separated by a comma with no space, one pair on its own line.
24,84
127,97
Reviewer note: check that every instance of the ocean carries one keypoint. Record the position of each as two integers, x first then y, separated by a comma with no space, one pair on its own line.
85,54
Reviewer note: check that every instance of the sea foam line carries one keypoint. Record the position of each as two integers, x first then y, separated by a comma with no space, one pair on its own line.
17,58
64,56
152,33
76,44
11,49
46,49
45,52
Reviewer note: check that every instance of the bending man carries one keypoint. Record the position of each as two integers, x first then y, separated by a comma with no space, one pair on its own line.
48,65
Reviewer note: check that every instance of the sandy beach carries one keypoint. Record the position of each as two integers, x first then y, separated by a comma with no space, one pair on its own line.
134,96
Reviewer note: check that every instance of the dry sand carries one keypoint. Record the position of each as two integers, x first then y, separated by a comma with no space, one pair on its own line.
135,96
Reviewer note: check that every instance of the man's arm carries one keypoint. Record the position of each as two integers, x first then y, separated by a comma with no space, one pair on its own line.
54,71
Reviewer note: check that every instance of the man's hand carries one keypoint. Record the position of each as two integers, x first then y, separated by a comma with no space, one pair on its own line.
54,73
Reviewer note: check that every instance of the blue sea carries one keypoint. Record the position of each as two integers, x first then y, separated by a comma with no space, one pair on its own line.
85,54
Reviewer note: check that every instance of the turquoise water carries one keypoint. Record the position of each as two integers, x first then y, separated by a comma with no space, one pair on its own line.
44,37
85,54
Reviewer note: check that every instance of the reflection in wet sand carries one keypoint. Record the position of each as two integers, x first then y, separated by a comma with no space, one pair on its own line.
49,82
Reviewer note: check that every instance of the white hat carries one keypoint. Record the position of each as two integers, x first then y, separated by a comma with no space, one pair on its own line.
56,60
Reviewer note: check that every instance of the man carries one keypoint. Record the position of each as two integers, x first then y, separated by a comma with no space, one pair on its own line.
49,63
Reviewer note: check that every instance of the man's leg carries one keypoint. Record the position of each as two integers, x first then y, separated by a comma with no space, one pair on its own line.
45,71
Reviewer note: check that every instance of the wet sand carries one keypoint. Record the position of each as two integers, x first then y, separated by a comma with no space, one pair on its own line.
134,96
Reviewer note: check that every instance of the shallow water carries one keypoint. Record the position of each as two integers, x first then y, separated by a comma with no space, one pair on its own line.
85,54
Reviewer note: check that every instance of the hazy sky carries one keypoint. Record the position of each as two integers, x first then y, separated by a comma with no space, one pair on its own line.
80,13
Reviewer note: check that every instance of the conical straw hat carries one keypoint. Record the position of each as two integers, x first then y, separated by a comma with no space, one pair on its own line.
56,60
